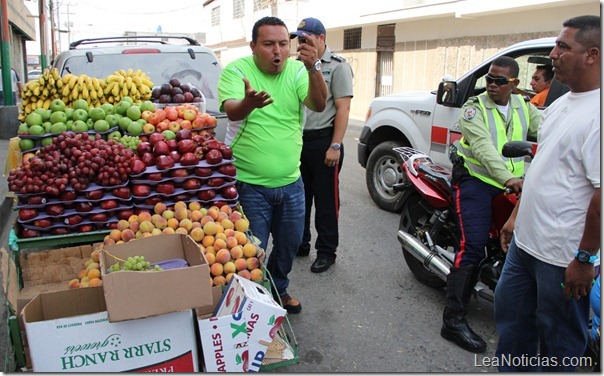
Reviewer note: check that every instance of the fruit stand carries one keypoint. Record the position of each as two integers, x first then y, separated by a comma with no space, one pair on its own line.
103,163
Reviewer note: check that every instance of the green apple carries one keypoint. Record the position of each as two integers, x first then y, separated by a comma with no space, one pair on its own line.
58,117
169,135
79,126
44,113
112,120
33,119
80,104
90,123
124,122
68,111
36,130
108,108
101,126
57,105
134,112
135,128
46,126
115,134
122,107
128,99
69,124
96,113
147,106
57,128
46,141
26,144
142,122
80,114
23,129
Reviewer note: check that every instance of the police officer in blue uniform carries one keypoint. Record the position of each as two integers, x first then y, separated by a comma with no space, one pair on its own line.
323,151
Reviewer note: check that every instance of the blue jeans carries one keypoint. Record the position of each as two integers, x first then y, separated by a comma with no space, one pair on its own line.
278,212
534,320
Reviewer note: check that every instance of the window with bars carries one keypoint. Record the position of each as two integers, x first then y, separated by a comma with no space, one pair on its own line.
352,38
261,4
238,9
216,16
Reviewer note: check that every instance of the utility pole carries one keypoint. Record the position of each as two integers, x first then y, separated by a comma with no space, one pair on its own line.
43,48
51,10
7,83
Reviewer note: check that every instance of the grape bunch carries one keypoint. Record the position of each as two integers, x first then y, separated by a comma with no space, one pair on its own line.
136,263
131,142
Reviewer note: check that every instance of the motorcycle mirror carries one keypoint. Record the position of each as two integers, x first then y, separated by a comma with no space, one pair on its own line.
515,149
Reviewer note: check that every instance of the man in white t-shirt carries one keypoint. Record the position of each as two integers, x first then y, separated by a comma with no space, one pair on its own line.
15,83
542,298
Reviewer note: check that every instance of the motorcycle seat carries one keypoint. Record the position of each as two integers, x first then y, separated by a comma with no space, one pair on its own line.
437,173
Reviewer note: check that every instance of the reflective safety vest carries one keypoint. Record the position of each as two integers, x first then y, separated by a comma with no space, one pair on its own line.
496,127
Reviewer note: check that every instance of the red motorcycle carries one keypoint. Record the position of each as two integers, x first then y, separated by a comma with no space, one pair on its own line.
428,231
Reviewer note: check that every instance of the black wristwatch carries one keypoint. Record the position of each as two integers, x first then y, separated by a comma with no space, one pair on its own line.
584,257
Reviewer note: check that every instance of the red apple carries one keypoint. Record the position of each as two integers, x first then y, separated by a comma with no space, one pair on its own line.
154,137
65,196
153,200
55,210
60,231
109,204
206,195
83,207
137,166
148,159
98,217
122,192
143,147
160,148
141,190
215,182
228,169
186,146
226,151
229,192
95,194
172,144
43,223
156,176
203,171
174,154
73,219
164,162
179,173
125,214
189,159
191,184
213,156
183,134
166,188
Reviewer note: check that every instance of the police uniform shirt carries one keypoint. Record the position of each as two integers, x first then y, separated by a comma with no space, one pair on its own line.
337,74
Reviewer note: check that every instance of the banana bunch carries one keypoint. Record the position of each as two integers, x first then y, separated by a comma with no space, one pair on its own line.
39,93
81,87
130,83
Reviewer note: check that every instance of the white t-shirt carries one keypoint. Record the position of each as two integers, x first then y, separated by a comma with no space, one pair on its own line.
14,80
561,179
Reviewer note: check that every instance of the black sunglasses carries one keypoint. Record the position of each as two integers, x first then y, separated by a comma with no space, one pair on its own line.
498,80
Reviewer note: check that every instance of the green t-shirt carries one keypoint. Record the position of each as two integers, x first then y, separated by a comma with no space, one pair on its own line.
268,143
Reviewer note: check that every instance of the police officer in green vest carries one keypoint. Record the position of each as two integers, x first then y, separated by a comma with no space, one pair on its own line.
480,173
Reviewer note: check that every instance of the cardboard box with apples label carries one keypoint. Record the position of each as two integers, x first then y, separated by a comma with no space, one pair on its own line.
245,321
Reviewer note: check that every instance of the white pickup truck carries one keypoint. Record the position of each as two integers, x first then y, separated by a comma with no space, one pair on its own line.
429,121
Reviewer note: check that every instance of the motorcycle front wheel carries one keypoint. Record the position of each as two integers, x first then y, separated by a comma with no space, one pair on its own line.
415,220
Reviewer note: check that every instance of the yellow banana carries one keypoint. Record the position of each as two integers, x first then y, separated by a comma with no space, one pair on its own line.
81,79
134,91
40,103
116,90
75,92
147,82
45,92
109,88
100,93
84,92
66,78
96,83
130,71
72,81
51,81
65,91
138,72
124,91
112,78
46,104
122,72
59,84
93,94
37,90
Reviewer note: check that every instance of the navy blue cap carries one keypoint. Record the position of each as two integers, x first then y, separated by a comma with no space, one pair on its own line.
309,26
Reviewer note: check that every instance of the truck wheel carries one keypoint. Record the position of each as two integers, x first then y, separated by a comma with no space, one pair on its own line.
383,171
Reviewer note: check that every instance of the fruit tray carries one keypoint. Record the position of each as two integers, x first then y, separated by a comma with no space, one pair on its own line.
55,240
202,163
90,131
77,199
70,212
215,174
230,202
178,191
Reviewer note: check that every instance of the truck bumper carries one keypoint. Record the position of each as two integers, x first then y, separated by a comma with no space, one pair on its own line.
363,147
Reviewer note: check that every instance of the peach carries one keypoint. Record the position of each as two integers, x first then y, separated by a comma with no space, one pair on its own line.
138,235
88,262
168,230
181,230
221,216
219,228
244,274
229,267
186,224
167,214
94,273
95,282
237,252
196,215
205,219
227,224
173,223
74,283
160,222
127,235
216,269
249,250
133,218
156,231
228,277
210,258
231,242
84,284
253,263
194,205
221,235
82,273
144,216
110,241
197,234
227,209
256,274
219,243
219,280
196,225
147,234
181,213
242,225
223,256
84,279
211,250
122,224
213,212
180,205
229,232
146,226
234,216
116,234
159,208
241,264
207,240
210,228
241,237
135,226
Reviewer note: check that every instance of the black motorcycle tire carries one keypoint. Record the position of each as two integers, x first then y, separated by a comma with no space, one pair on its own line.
416,214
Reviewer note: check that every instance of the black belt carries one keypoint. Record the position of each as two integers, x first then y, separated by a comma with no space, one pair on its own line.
317,134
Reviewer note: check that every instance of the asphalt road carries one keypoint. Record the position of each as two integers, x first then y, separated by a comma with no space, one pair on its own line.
367,313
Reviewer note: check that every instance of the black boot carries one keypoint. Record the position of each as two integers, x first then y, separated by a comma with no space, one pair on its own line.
460,283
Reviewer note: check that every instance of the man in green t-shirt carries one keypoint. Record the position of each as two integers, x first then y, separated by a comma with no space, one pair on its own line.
264,96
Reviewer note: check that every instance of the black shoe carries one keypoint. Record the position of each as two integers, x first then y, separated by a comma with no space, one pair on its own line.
455,328
291,305
321,264
303,252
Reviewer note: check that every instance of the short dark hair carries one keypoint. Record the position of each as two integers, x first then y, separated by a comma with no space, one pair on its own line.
266,21
506,61
548,72
589,30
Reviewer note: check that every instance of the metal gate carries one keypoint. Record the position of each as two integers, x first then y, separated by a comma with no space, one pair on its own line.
385,60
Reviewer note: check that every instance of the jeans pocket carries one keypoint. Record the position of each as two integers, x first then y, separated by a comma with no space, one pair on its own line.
299,183
241,186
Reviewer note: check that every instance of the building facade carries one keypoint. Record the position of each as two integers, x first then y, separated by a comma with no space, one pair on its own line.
397,46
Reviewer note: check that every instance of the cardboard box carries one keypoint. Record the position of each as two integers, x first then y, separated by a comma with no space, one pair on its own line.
69,331
245,321
134,295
